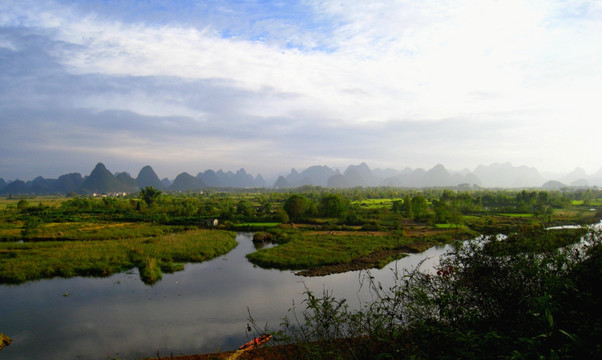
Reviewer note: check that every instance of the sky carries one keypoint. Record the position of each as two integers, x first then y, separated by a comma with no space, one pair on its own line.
268,86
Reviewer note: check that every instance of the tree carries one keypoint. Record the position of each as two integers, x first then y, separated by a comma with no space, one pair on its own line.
419,207
333,205
149,195
296,206
407,206
397,206
243,207
31,227
282,216
442,211
22,205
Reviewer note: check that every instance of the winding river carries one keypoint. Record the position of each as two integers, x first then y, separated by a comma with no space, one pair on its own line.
202,309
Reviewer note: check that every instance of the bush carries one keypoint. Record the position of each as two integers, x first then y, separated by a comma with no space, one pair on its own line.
31,227
484,301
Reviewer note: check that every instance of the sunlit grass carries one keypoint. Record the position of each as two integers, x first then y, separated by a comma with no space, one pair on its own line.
83,230
376,203
517,215
590,203
21,262
306,251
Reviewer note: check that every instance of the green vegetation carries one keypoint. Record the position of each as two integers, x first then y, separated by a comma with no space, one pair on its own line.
534,295
540,300
314,249
518,215
447,226
257,225
376,203
306,250
317,227
20,262
587,202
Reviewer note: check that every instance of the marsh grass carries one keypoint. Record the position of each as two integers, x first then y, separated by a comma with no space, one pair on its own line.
21,262
87,230
304,251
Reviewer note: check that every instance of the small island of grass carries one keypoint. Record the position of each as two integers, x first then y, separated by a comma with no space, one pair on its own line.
21,262
327,252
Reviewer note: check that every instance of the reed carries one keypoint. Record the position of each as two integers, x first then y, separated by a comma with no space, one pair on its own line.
304,251
21,262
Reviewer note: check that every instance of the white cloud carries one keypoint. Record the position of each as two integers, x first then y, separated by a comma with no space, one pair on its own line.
519,73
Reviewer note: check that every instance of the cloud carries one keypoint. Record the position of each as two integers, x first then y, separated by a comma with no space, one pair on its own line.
220,84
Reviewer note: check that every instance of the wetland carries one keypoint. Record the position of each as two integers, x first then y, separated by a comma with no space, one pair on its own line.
104,278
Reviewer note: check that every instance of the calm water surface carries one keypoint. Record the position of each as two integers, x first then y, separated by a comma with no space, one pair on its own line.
203,309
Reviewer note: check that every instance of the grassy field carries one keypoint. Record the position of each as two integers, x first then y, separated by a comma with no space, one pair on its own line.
306,250
517,215
258,225
101,236
88,230
49,200
449,226
21,262
591,203
376,203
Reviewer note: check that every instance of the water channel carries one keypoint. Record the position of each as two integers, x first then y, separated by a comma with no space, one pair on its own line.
202,309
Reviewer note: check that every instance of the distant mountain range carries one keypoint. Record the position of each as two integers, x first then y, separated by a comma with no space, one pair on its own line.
102,181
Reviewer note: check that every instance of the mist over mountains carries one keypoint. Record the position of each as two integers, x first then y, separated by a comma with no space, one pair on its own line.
102,181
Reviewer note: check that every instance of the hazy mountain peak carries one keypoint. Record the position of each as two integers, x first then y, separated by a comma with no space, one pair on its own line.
575,175
281,182
360,175
101,181
508,176
186,182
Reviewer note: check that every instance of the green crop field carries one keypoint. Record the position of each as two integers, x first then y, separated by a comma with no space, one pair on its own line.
517,215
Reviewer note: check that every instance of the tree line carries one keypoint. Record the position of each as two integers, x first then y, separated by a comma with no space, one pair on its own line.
352,207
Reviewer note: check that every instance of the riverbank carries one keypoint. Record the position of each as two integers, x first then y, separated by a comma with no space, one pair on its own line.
374,260
320,253
505,320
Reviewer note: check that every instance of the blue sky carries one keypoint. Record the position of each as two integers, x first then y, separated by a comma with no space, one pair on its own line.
272,85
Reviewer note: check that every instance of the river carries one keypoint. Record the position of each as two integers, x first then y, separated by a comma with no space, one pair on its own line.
202,309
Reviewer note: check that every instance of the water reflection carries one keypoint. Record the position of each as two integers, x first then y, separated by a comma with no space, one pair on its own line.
199,310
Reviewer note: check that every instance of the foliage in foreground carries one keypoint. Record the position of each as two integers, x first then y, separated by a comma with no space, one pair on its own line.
484,301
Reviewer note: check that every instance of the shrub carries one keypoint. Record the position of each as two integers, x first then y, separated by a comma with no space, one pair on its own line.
488,299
